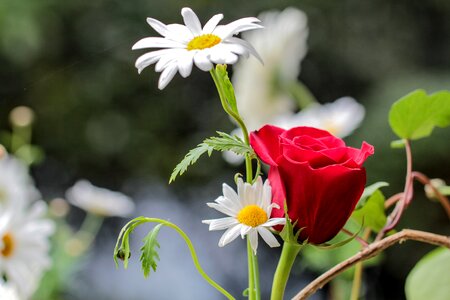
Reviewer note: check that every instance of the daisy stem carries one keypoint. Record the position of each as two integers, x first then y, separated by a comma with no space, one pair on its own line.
226,106
288,255
141,220
254,292
251,272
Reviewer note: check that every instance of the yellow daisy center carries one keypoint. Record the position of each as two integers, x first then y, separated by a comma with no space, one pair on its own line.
8,245
252,215
203,41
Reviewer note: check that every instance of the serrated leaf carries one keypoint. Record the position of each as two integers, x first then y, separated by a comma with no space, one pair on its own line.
415,115
226,142
368,191
430,278
224,81
372,214
149,253
190,159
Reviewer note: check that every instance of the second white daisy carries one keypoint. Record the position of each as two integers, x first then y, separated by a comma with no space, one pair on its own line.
185,45
248,213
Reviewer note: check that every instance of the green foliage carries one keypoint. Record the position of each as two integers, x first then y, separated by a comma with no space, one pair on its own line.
190,159
415,115
288,233
372,213
123,252
149,254
226,142
223,142
430,278
227,87
368,191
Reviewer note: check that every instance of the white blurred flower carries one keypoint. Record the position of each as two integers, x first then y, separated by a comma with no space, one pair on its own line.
248,213
24,246
282,45
184,45
8,292
99,201
340,117
16,186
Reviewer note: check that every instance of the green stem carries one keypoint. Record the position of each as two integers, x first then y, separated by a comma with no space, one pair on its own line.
357,277
227,108
138,221
251,272
288,255
256,276
254,291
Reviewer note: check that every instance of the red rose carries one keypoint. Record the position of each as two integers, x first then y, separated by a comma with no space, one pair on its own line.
319,176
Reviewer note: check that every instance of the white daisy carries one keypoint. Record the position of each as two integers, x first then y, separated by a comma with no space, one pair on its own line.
16,186
99,201
340,117
24,246
248,213
184,45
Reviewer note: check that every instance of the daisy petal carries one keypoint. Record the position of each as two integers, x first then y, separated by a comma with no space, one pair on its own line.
229,235
220,55
253,235
244,24
156,42
180,33
247,46
212,23
167,75
229,193
149,58
268,237
245,229
185,64
191,20
274,221
226,202
220,224
159,27
202,62
222,209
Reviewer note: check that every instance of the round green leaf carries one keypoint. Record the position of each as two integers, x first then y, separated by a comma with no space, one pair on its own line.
430,278
415,115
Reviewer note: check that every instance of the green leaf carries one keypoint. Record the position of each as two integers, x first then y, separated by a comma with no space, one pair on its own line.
226,142
190,159
415,115
368,191
372,213
149,254
430,278
288,233
223,142
224,81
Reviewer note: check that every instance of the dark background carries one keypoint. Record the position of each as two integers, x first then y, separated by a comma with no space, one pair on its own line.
96,118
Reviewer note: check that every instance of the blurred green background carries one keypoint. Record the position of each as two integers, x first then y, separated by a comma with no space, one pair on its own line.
96,118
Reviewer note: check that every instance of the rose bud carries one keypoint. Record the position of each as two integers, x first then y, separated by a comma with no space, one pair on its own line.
319,177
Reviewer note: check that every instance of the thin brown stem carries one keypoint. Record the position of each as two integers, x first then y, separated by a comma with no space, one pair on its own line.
422,178
397,213
392,200
373,250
